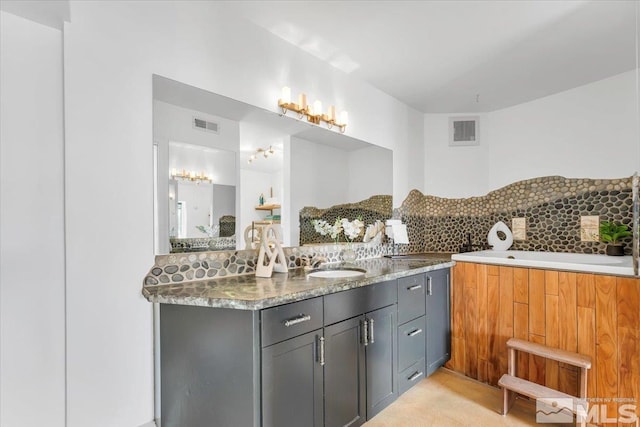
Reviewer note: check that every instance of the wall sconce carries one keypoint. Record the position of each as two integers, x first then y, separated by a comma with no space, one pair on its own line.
190,176
314,114
261,151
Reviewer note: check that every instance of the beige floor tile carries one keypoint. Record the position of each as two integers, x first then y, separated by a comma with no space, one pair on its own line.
450,399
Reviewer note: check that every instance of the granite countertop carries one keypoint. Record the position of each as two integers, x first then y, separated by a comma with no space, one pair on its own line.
247,292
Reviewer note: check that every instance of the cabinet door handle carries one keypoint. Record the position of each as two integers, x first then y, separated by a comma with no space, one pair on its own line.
365,333
414,332
371,339
429,290
415,376
298,319
321,351
414,287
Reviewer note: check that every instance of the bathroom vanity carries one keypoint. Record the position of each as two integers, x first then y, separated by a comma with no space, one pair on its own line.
314,352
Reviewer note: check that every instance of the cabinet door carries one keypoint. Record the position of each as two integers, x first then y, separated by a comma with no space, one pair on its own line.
438,349
292,383
382,381
344,374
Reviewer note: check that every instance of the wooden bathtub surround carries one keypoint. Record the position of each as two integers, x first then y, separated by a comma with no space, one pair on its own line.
511,384
591,314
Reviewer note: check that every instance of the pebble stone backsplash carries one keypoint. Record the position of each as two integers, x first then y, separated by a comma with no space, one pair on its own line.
378,207
177,268
551,205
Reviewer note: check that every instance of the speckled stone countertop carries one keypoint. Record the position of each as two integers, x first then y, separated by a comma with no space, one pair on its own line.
248,292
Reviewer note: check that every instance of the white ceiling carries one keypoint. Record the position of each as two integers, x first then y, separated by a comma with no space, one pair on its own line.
443,56
459,56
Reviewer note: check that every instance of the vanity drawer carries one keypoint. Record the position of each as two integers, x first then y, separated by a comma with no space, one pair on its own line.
411,376
411,297
354,302
411,342
290,320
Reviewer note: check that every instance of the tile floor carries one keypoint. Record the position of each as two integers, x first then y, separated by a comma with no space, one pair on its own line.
449,399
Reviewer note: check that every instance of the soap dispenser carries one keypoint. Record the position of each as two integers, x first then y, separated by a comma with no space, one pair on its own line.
261,200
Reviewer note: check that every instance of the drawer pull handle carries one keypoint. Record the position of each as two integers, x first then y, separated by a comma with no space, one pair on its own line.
365,333
415,376
429,290
414,287
295,320
414,332
371,340
321,351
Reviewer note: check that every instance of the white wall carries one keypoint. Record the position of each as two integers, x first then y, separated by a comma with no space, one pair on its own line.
590,131
369,173
587,132
32,299
454,171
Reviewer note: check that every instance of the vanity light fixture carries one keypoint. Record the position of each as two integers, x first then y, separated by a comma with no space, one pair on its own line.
261,151
313,113
186,175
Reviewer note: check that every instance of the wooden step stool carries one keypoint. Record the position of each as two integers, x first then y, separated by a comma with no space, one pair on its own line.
511,384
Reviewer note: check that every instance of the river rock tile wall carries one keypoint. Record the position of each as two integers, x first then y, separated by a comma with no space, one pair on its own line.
551,205
375,208
182,267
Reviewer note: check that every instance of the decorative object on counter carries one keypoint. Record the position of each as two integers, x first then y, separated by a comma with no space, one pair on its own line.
271,256
493,238
397,233
325,229
611,233
552,206
314,114
369,210
374,232
352,230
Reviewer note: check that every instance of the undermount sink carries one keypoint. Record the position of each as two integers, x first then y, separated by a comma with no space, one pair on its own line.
338,273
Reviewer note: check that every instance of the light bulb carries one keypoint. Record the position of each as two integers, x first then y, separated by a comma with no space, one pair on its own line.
286,95
317,108
344,118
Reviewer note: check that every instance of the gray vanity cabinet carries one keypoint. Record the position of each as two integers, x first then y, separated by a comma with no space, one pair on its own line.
345,374
438,348
292,383
411,330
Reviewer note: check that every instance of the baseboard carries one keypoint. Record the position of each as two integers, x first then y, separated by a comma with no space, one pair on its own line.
150,424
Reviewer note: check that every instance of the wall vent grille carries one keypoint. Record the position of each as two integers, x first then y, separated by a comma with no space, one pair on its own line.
464,131
205,125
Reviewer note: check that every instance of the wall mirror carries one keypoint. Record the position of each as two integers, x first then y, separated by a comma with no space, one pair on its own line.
224,168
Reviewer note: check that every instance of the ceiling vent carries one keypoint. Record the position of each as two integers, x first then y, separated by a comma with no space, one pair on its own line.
205,125
464,131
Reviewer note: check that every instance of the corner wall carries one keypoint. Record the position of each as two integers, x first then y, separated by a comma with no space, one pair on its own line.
32,262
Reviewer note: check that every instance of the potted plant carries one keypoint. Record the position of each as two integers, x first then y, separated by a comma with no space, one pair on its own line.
611,233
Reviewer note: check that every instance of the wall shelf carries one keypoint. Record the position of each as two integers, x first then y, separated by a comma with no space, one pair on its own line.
267,207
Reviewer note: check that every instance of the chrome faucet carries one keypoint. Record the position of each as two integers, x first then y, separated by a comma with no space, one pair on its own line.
311,262
468,247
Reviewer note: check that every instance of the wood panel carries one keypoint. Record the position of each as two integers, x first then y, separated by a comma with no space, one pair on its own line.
592,314
552,337
493,328
587,342
586,290
537,364
567,328
521,285
505,314
551,282
607,341
537,302
521,330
